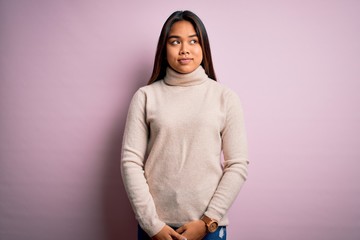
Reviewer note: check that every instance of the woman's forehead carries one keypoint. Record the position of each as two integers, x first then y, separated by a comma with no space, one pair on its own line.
184,28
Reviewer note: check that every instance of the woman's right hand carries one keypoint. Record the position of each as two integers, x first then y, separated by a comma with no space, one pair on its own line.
167,233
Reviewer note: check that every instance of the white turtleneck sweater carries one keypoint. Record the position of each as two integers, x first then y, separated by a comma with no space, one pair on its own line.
175,132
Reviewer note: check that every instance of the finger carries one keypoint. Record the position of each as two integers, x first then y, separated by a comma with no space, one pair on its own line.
181,238
178,236
180,229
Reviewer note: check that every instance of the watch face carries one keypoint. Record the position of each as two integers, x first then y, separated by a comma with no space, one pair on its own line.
213,226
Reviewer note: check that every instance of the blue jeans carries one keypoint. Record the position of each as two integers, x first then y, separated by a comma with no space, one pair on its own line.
219,234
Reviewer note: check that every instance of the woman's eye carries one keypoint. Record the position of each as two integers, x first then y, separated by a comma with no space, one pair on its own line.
176,42
193,41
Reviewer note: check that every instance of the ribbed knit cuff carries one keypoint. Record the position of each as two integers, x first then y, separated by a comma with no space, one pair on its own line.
153,230
213,215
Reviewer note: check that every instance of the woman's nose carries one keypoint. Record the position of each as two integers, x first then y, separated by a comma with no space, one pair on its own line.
184,50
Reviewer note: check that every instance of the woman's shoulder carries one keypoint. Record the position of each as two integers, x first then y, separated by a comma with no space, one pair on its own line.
144,90
151,86
223,89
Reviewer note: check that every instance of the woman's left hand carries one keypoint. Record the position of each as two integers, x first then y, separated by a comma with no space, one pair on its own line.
194,230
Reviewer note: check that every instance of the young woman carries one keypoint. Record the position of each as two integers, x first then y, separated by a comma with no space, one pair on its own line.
177,127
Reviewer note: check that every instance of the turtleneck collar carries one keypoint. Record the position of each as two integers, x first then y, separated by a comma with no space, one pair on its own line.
173,78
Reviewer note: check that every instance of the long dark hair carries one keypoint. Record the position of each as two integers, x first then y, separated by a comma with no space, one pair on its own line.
160,63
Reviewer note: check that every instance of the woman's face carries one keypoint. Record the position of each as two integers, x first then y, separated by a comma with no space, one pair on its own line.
183,50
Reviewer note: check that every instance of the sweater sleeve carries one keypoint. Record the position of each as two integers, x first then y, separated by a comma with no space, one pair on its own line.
234,146
134,147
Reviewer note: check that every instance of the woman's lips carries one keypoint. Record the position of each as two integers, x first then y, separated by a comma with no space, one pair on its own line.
185,61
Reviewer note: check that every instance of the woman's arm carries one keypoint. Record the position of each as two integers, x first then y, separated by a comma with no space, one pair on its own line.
134,146
234,145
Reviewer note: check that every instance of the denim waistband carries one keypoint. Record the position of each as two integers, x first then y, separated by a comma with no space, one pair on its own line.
219,234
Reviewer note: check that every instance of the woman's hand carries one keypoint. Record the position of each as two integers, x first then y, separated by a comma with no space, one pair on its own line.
167,233
194,230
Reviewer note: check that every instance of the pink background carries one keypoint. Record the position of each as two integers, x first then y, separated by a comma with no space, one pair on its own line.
69,68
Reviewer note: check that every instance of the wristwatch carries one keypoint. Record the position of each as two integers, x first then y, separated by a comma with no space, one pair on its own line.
211,224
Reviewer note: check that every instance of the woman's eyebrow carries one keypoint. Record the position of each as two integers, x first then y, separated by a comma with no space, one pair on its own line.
175,36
